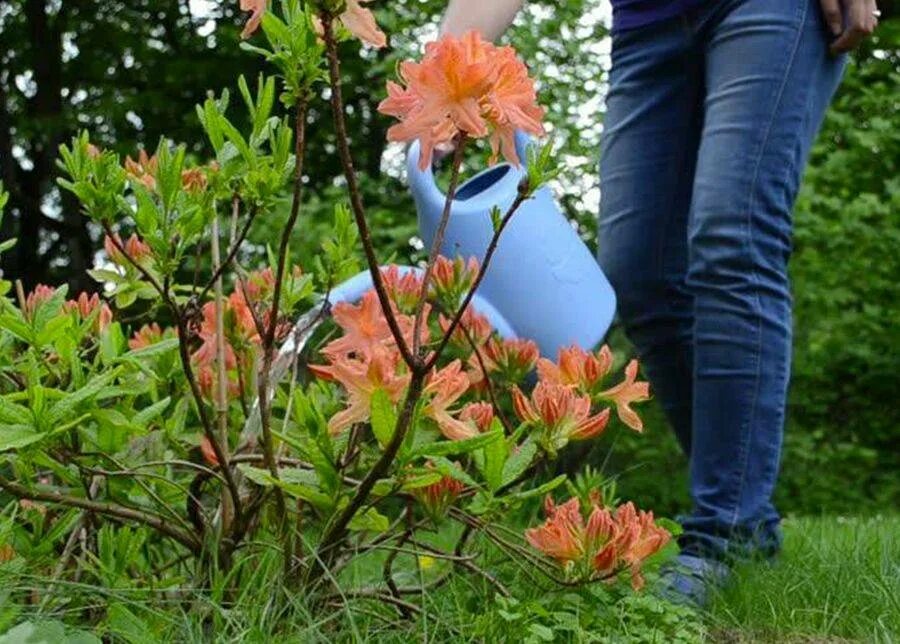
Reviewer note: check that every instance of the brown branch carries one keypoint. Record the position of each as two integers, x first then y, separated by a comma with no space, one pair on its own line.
184,354
522,195
229,256
158,523
340,126
438,240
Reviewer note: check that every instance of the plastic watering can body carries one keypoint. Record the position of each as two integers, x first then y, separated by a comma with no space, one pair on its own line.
543,281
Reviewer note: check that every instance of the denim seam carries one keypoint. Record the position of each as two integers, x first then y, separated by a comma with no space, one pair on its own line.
748,432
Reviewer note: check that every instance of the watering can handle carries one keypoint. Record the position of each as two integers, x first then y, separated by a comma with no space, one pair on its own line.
422,182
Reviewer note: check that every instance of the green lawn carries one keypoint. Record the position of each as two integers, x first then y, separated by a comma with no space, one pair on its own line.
838,580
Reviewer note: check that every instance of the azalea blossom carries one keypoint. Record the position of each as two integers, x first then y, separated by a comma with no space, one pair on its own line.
256,8
473,328
438,497
560,414
147,335
364,327
446,387
453,278
403,287
463,85
511,359
360,22
194,180
136,249
480,414
601,546
361,378
209,454
40,294
85,305
577,368
143,170
627,392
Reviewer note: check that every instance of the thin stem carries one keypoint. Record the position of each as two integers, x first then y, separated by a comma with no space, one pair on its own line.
158,523
356,204
232,251
492,247
438,240
184,354
221,369
337,530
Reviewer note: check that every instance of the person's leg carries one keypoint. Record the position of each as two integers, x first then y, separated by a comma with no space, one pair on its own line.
650,139
769,78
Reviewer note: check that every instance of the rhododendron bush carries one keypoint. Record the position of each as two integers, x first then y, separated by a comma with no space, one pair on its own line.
200,407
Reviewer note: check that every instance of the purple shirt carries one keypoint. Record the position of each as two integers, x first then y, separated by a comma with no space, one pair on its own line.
628,14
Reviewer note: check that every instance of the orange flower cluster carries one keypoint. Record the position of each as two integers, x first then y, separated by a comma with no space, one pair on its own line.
41,293
136,249
585,372
560,413
604,545
143,170
358,20
465,86
365,359
438,497
85,306
146,336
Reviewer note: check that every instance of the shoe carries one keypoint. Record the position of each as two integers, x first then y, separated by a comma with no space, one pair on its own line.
689,580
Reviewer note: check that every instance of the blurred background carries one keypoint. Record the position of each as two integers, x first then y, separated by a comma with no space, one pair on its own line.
132,71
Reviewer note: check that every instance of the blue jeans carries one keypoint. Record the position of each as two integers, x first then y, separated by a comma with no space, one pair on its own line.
710,118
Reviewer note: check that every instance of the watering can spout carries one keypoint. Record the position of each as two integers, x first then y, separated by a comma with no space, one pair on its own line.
542,279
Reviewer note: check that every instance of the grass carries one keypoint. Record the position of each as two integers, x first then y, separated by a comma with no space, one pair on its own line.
838,580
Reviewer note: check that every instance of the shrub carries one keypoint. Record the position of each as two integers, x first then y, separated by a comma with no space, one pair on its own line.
157,437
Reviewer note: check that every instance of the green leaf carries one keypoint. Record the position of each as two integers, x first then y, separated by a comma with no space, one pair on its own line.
371,520
69,403
148,414
519,461
384,417
10,412
18,436
540,490
495,454
448,448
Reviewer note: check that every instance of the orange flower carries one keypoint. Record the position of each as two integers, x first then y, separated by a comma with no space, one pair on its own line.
360,22
562,537
644,538
463,85
85,306
577,368
560,414
471,324
453,278
438,497
512,359
7,553
147,335
364,325
627,392
361,378
256,8
402,288
194,180
143,170
134,248
41,293
209,454
480,414
446,387
606,544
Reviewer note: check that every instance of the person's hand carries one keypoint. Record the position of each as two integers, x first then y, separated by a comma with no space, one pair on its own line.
850,22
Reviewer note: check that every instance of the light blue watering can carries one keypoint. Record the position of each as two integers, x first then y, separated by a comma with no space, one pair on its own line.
542,281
